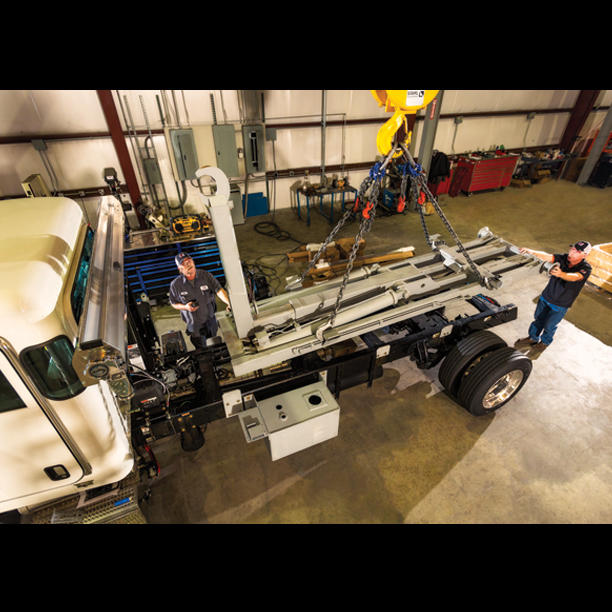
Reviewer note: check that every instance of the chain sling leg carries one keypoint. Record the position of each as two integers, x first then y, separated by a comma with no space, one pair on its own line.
368,214
419,180
360,196
367,211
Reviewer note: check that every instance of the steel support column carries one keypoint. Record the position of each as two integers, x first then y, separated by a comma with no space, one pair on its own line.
598,147
582,109
114,125
432,116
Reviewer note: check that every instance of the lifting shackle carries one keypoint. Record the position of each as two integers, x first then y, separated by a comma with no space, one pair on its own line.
400,102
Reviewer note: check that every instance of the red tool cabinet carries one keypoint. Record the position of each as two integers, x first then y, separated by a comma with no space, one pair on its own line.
486,173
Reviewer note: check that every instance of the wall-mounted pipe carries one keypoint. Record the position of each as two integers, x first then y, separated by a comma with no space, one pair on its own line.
323,135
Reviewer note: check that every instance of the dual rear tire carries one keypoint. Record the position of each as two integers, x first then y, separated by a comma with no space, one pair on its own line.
483,373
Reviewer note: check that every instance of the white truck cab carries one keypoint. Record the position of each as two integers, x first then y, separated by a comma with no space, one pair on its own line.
61,431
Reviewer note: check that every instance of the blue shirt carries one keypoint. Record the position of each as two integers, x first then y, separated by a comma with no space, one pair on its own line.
203,288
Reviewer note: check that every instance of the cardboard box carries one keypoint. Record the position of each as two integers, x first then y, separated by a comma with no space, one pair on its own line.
520,183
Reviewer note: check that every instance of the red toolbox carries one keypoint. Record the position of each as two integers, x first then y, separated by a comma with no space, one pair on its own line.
442,187
478,173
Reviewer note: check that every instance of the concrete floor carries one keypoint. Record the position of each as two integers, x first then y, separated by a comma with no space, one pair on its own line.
406,453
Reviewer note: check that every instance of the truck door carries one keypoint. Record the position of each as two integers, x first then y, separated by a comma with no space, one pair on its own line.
34,457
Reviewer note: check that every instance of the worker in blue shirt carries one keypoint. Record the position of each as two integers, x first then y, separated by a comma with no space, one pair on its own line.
567,279
193,294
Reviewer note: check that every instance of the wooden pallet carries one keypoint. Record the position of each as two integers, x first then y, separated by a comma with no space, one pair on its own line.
341,250
334,269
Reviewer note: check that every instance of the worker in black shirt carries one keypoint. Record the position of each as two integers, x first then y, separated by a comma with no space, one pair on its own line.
568,277
193,294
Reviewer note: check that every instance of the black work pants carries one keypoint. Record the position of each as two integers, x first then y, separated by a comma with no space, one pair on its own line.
208,330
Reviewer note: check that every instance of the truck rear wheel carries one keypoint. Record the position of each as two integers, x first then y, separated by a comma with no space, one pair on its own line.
494,381
463,355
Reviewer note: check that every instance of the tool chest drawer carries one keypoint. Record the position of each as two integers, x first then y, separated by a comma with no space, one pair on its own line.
486,173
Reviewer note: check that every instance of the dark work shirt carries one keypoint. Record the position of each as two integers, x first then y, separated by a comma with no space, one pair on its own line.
203,288
563,293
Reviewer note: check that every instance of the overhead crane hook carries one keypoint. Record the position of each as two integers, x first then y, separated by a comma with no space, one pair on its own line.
400,102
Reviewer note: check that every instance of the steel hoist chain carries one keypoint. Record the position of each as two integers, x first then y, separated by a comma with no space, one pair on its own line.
360,197
366,209
419,182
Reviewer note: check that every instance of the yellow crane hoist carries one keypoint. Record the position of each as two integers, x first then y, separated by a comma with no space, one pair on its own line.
400,102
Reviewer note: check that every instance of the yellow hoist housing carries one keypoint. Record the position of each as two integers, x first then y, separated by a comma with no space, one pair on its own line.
400,102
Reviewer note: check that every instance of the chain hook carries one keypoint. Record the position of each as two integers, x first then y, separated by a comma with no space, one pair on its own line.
367,210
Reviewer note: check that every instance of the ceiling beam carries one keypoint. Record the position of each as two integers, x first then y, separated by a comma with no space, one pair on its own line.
125,161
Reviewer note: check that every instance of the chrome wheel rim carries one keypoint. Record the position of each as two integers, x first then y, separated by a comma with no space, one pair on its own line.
503,389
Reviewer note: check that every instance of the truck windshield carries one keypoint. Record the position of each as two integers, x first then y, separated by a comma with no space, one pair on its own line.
77,297
9,400
50,365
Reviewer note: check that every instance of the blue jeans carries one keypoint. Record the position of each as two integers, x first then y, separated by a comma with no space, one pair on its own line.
547,319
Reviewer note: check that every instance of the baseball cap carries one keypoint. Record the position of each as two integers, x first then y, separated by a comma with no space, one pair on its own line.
181,258
583,246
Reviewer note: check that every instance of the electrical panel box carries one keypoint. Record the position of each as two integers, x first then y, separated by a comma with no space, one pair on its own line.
152,171
254,139
185,154
226,149
34,187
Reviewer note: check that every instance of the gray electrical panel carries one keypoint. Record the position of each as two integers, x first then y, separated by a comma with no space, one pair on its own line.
185,154
152,171
226,149
254,137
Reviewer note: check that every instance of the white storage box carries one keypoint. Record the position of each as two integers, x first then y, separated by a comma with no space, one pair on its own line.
293,421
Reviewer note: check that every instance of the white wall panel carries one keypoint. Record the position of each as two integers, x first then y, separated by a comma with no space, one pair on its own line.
82,162
17,162
298,148
76,164
53,111
355,103
359,141
281,103
482,100
485,133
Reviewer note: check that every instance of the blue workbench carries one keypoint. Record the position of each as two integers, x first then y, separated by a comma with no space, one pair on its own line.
321,194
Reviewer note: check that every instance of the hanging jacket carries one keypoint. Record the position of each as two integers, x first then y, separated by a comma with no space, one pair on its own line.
440,168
